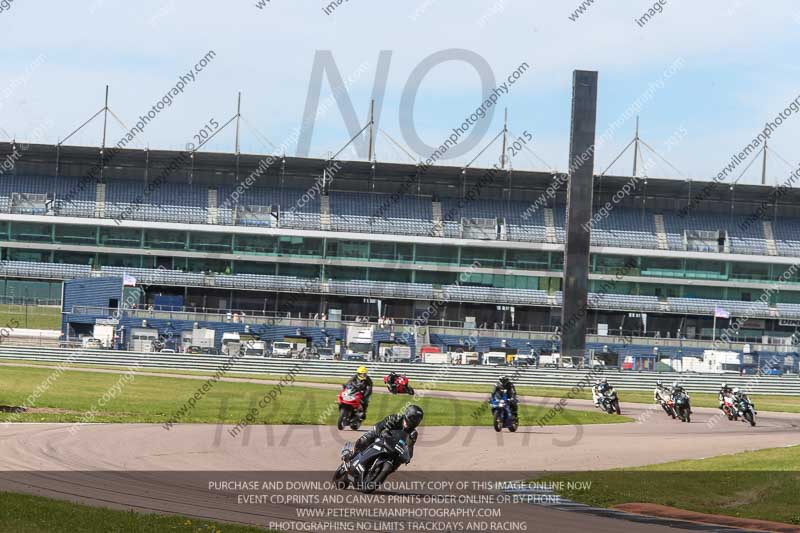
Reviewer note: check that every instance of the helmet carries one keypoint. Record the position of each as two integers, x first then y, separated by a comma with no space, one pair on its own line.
503,380
675,384
658,383
412,416
736,390
361,373
724,385
605,381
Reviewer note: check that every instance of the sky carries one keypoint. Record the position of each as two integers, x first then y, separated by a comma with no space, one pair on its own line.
721,70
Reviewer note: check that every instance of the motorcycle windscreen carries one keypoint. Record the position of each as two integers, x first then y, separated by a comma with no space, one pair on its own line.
368,456
396,441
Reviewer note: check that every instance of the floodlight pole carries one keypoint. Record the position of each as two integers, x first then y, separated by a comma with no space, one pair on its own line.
636,147
103,144
505,140
105,120
238,118
764,164
353,138
79,128
146,164
371,130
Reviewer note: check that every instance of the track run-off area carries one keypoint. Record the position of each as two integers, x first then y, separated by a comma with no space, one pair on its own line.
148,468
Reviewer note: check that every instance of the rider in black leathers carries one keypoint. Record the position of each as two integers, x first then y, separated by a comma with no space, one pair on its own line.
505,385
391,380
677,390
738,397
408,422
601,389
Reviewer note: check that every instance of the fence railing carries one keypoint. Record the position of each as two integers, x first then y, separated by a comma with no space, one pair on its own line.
466,374
273,319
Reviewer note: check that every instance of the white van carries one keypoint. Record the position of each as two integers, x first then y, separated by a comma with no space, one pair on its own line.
524,359
231,344
92,343
282,349
326,353
494,358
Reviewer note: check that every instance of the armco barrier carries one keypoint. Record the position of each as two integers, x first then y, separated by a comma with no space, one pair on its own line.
782,385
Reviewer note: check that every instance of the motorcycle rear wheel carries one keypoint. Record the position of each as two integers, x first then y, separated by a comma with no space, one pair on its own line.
410,390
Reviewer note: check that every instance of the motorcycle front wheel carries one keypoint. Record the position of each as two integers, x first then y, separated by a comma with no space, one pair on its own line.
749,417
410,390
498,421
616,407
376,477
514,425
340,480
343,416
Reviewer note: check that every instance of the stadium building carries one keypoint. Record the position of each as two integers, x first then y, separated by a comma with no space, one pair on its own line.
460,253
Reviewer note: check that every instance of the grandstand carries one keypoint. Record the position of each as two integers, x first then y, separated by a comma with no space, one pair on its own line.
475,250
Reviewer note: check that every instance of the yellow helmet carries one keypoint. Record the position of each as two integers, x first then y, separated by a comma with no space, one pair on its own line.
361,372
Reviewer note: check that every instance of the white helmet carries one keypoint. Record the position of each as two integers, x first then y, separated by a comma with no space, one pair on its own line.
724,385
736,390
675,384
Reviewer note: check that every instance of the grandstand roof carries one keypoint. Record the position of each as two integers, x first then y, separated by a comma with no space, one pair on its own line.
445,181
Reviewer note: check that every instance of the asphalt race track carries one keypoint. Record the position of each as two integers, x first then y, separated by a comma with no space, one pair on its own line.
148,468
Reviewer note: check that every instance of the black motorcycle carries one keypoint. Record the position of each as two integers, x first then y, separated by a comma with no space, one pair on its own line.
610,403
368,469
746,411
682,408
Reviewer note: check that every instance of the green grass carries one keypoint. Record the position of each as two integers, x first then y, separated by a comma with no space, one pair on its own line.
30,317
155,399
762,484
775,403
33,514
